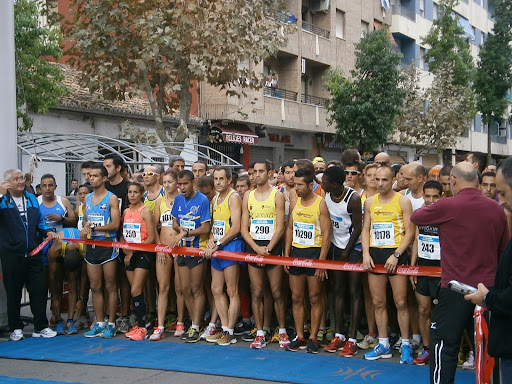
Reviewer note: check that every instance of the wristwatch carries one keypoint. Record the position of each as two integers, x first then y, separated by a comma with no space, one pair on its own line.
397,255
218,243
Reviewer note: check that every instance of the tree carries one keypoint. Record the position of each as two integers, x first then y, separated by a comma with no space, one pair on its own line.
364,106
38,81
435,117
158,48
493,75
447,45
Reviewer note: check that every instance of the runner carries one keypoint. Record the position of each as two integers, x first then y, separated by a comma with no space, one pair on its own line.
488,185
243,185
166,261
426,251
225,236
308,236
387,232
353,176
57,212
177,163
191,220
138,228
262,229
199,169
344,205
415,176
444,179
101,222
288,188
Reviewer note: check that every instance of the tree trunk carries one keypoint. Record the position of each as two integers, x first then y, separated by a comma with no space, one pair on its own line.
185,104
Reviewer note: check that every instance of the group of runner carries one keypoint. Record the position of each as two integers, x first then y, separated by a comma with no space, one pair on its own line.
349,211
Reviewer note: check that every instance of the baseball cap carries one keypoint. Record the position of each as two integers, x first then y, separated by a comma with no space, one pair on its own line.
318,159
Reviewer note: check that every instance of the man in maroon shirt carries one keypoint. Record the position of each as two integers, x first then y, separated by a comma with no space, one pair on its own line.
473,233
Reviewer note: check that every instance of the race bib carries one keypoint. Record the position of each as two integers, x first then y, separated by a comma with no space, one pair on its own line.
98,221
429,247
131,232
336,223
303,233
166,219
190,225
383,234
262,229
219,229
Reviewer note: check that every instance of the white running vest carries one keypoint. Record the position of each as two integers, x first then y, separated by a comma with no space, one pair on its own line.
341,220
416,203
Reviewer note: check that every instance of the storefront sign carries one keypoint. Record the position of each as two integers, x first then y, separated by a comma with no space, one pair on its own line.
239,139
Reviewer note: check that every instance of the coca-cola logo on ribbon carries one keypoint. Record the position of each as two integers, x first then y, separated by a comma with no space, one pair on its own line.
163,248
254,259
307,263
407,270
353,267
116,244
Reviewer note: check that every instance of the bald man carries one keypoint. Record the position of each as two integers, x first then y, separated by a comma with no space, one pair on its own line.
382,158
473,231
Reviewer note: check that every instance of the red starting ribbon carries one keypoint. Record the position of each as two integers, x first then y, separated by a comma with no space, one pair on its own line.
40,247
259,259
484,364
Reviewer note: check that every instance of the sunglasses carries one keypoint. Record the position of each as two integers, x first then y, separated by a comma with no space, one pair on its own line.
352,173
149,174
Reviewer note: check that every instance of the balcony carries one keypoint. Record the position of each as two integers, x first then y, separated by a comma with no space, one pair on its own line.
314,100
308,27
280,93
401,10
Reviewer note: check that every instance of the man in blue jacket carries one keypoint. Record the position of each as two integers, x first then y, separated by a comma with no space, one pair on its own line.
22,229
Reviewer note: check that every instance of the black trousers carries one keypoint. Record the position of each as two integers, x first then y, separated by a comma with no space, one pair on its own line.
18,271
451,316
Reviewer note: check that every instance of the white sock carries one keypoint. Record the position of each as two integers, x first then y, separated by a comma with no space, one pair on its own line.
196,327
101,324
211,325
384,341
180,323
352,340
282,330
416,338
406,342
338,335
260,332
112,324
230,331
160,327
224,329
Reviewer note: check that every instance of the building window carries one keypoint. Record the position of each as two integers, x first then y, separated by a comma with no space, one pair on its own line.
340,24
422,58
435,10
364,28
422,8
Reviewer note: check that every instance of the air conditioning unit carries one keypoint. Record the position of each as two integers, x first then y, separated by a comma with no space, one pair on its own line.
319,5
303,66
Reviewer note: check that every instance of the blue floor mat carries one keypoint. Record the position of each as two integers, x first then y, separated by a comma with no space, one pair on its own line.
24,380
265,364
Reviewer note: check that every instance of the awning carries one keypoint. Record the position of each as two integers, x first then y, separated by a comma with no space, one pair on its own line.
464,23
238,134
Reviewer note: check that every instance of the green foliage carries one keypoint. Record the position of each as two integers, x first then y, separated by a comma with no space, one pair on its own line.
435,117
158,48
38,81
493,76
364,106
448,46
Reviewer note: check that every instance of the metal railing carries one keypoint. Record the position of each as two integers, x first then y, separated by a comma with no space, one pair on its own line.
406,12
315,100
315,29
280,93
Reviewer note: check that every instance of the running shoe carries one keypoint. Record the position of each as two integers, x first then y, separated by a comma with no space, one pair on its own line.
368,342
210,330
140,334
312,346
45,333
226,339
59,327
284,340
398,344
296,344
180,330
123,324
242,328
133,320
158,334
469,364
267,336
275,336
17,335
81,323
335,345
250,336
259,342
422,358
215,337
70,327
330,334
131,332
95,331
349,349
379,352
171,327
320,336
170,319
406,354
192,335
109,332
416,346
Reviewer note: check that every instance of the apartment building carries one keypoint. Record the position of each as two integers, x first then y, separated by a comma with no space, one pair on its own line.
286,118
411,21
